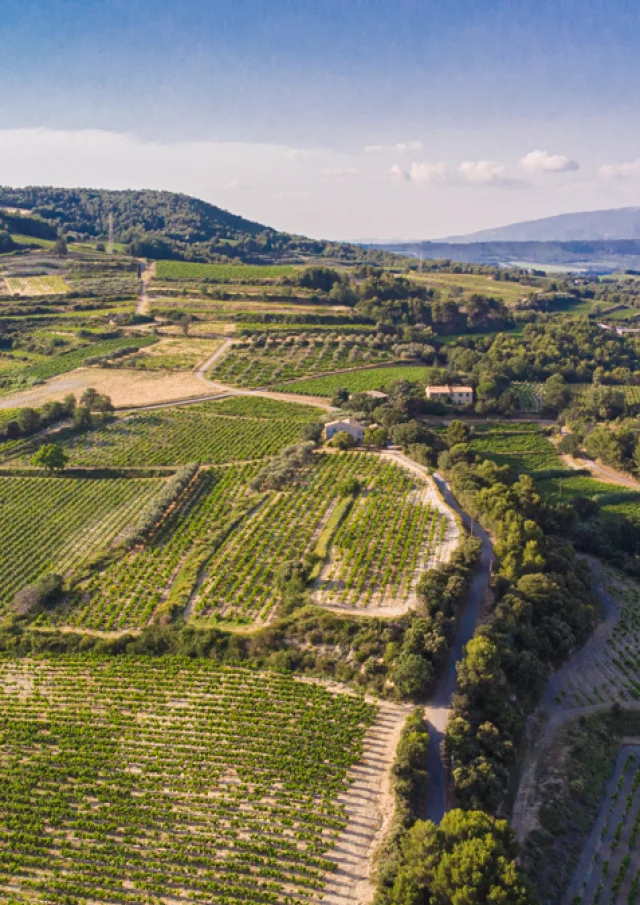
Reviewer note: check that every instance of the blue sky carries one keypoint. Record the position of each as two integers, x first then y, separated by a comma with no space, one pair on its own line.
345,119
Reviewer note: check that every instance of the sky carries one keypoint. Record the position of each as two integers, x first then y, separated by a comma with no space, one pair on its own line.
344,119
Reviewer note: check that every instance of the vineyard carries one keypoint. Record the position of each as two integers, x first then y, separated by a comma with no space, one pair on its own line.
221,273
211,433
142,781
356,381
171,354
609,870
611,673
57,524
129,591
392,533
278,361
524,448
34,286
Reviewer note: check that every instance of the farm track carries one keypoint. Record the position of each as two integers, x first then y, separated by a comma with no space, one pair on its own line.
148,271
604,473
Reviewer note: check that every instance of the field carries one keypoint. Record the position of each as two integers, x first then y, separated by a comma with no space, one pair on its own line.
279,361
524,448
615,872
383,543
128,592
211,433
142,781
34,286
55,524
217,553
221,273
614,501
470,283
356,381
529,395
171,354
393,533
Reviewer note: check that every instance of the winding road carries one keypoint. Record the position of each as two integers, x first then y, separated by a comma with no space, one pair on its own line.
438,709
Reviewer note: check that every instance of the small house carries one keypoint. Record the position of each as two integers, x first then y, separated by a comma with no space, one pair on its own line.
348,425
456,395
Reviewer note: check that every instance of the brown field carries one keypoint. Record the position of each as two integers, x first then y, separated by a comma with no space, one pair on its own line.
124,387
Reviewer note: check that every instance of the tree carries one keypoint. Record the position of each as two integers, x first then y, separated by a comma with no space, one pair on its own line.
29,420
312,431
60,248
470,859
555,393
50,456
82,416
376,436
340,396
349,487
342,440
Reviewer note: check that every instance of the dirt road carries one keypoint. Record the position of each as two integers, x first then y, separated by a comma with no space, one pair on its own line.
147,273
604,473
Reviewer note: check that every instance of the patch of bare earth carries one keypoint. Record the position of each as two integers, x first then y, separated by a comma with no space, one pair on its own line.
124,387
370,805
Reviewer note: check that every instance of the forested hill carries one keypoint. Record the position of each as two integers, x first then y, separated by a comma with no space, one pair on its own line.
167,225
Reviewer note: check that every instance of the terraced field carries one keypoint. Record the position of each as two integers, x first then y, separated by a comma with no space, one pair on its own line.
56,524
172,780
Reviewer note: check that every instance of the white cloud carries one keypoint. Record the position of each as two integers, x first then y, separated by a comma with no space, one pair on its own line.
402,147
543,162
481,172
398,174
620,170
303,154
426,173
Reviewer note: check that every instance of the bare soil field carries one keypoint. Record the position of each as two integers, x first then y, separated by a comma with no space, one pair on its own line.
124,387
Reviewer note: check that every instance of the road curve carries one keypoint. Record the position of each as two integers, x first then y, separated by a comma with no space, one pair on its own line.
437,711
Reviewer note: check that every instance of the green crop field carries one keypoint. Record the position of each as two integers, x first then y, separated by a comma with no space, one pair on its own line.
356,381
136,781
127,593
389,535
210,433
223,273
471,283
524,448
34,286
279,361
55,524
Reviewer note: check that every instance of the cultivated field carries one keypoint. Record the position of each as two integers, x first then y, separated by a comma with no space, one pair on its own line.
175,781
34,286
221,273
279,361
55,524
171,354
356,381
523,447
470,283
210,433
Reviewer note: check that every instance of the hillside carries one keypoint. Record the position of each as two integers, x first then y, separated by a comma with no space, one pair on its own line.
166,225
618,223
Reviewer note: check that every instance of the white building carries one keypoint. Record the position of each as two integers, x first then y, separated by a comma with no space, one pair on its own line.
348,425
457,395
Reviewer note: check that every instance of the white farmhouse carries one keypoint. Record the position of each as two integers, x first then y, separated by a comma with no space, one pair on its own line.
349,425
457,395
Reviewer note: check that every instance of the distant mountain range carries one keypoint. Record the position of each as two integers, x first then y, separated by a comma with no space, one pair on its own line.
591,240
618,223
